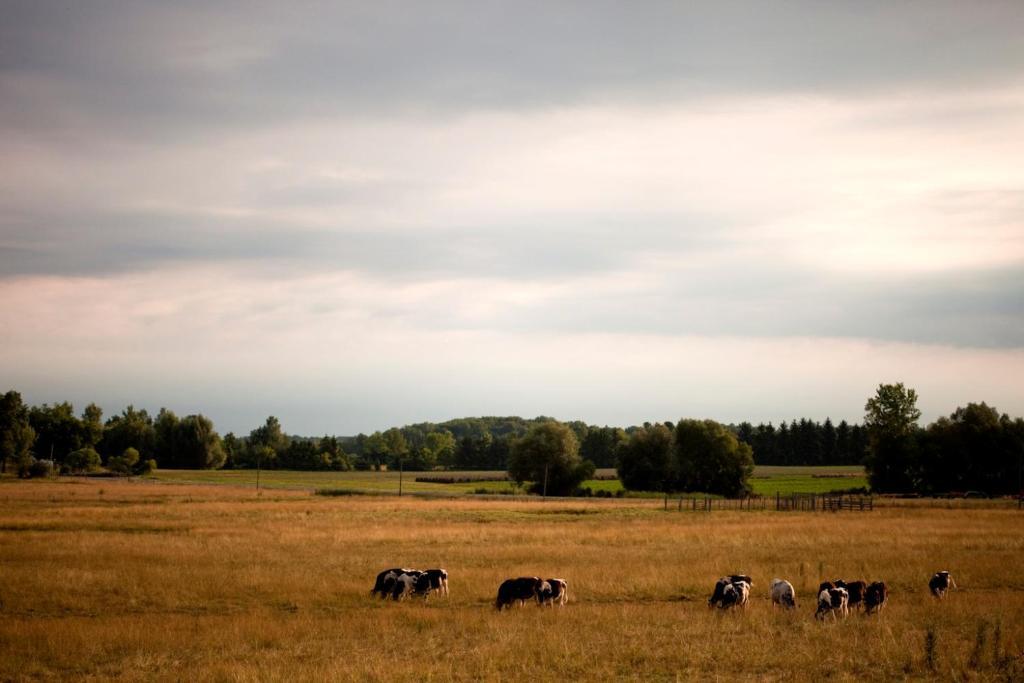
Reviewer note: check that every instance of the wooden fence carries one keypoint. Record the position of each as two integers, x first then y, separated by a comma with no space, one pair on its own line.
794,502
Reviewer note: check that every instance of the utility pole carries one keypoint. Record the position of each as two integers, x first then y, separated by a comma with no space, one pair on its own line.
545,480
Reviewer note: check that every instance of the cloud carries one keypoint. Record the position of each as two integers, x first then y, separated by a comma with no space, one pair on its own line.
349,194
193,68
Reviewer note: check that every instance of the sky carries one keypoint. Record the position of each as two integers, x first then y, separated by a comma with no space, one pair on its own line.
360,215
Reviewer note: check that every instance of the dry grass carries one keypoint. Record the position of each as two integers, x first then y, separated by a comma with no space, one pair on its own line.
130,580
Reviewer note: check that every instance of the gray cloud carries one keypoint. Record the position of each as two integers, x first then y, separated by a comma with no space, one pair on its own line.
143,69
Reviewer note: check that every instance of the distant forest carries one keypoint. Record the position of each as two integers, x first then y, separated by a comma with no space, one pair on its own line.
77,442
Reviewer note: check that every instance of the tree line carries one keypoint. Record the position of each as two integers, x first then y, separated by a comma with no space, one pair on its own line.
975,448
805,442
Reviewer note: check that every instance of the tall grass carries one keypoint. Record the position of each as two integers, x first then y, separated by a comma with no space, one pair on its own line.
172,582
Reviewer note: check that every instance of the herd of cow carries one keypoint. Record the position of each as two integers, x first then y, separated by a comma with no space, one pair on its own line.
835,598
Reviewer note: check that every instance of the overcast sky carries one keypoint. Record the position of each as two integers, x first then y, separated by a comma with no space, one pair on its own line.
366,215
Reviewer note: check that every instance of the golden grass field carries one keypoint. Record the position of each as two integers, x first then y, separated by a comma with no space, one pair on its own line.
140,580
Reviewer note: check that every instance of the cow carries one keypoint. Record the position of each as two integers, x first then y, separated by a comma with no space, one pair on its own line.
716,595
736,594
386,581
432,580
826,586
518,590
940,583
552,592
832,601
856,590
783,594
405,584
875,597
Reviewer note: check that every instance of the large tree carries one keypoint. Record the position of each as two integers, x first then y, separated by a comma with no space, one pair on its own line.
890,418
646,461
131,429
16,434
58,431
548,456
199,444
711,459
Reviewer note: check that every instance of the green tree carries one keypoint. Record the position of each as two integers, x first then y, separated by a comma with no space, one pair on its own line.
82,460
646,460
266,443
233,447
892,411
58,431
442,445
548,456
375,451
131,429
16,434
890,418
166,431
601,445
92,425
397,448
124,463
711,459
199,444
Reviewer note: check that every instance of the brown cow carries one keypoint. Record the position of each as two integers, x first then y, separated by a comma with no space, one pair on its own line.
875,597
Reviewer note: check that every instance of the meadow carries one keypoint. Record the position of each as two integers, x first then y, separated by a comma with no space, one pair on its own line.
766,480
143,580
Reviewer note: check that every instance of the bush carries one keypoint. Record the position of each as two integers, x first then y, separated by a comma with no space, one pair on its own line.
30,468
125,463
147,467
82,460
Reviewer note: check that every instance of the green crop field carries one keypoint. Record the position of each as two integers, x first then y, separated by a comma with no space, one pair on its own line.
767,480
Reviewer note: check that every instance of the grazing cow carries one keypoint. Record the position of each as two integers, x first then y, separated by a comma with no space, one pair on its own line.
826,586
553,591
832,601
405,584
856,589
940,583
517,590
735,595
720,585
875,597
386,581
783,594
432,580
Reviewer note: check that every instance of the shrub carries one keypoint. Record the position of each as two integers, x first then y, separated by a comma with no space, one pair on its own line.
124,463
82,460
31,468
147,466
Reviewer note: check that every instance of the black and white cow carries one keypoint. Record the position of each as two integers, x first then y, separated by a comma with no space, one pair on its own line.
940,583
722,583
405,584
553,591
518,591
783,594
834,601
875,597
386,581
856,589
432,580
736,594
